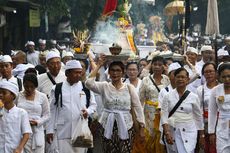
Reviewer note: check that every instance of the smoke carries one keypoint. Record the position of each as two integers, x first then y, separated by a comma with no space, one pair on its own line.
106,32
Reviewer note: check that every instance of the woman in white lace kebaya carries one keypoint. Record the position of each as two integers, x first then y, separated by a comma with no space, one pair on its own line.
118,98
149,92
37,106
220,102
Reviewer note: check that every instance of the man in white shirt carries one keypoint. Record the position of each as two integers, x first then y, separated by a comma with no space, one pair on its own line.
207,54
53,76
6,68
71,107
32,54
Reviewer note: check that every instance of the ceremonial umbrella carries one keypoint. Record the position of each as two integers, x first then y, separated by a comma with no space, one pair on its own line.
174,8
212,25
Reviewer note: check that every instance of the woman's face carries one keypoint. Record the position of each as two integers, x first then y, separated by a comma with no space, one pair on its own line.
210,73
29,87
157,67
225,77
116,73
181,79
132,71
143,64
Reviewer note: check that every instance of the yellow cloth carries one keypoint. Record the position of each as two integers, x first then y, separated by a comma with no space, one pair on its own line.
152,143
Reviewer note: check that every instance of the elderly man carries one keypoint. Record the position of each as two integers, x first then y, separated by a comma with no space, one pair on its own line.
73,104
32,54
6,68
207,54
53,76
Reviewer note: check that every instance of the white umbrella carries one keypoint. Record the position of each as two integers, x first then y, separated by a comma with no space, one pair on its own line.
212,25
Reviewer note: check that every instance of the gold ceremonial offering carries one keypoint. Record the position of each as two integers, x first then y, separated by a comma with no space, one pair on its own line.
81,47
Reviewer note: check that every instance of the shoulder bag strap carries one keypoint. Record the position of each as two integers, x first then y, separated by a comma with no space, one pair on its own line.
203,98
179,103
50,77
57,94
154,83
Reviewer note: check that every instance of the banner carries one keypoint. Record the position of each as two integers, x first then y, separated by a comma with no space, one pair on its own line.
34,18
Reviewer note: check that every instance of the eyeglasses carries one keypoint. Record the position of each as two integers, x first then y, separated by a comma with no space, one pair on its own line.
210,71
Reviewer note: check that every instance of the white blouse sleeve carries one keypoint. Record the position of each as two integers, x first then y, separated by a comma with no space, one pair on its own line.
96,87
164,110
142,91
25,125
212,112
136,105
93,105
45,110
197,114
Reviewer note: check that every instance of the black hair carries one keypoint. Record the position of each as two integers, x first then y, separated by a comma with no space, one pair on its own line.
117,63
32,78
206,64
222,67
158,58
179,70
31,70
41,69
132,62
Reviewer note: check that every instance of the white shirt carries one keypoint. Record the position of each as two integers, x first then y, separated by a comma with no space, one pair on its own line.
195,84
13,125
38,109
188,112
45,85
66,117
223,107
204,93
164,92
138,84
20,69
33,57
14,80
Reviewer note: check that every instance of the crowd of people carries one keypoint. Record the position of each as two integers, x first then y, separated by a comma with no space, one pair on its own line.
149,105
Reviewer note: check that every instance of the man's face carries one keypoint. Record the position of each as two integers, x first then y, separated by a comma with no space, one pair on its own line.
6,70
42,47
74,75
208,55
192,57
66,59
54,65
30,48
42,60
